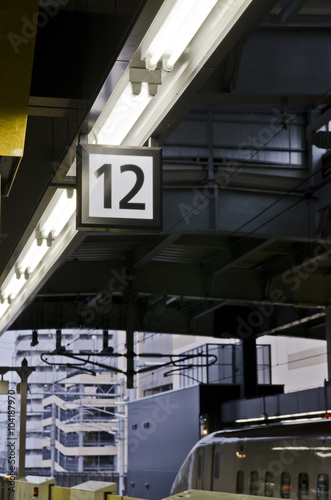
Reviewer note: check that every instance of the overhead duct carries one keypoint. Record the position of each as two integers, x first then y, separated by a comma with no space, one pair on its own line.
322,140
17,42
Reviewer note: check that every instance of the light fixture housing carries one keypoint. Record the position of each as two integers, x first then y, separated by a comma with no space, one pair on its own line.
32,254
130,98
58,212
172,31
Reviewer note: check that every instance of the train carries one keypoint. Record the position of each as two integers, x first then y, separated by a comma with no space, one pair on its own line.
285,460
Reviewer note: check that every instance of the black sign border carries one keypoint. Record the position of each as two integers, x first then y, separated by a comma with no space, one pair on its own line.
84,221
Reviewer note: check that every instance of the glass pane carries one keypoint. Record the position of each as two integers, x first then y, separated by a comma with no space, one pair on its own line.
254,483
303,486
323,487
269,484
240,482
200,464
285,485
217,465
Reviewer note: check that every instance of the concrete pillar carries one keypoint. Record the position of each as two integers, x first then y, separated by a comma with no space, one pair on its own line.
248,385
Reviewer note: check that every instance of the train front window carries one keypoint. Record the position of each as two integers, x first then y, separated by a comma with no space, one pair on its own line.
254,483
303,484
322,487
200,465
269,484
217,465
285,485
240,482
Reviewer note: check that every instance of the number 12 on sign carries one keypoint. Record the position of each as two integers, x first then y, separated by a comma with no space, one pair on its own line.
118,187
125,203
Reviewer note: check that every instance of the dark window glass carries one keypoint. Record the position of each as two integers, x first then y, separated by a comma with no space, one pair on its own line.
285,485
240,482
254,483
323,487
217,465
269,484
303,486
200,465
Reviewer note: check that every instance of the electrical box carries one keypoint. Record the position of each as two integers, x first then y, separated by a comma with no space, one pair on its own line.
33,487
4,386
93,490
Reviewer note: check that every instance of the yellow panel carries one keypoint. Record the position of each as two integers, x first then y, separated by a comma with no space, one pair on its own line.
117,497
18,20
211,495
59,493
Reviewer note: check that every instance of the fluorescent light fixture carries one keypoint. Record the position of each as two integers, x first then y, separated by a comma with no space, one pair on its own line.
245,420
14,286
306,415
119,116
3,307
177,30
58,212
32,255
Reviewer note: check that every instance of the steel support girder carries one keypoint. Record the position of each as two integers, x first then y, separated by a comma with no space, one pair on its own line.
236,212
307,289
181,316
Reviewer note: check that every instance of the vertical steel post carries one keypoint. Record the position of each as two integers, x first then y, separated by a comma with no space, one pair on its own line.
52,443
121,424
130,343
24,373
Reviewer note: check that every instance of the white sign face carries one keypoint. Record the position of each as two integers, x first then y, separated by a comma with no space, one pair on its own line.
118,187
121,186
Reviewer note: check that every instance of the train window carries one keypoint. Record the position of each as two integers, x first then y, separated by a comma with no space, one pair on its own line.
200,464
322,487
269,484
240,482
254,483
285,485
217,465
303,488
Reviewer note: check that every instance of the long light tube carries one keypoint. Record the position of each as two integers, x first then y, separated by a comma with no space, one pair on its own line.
118,118
33,255
62,208
176,32
3,307
14,286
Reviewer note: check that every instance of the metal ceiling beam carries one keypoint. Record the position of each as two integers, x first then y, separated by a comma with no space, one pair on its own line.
290,10
237,286
237,252
231,99
143,254
182,318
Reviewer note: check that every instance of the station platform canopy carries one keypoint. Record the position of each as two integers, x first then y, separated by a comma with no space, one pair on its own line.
241,113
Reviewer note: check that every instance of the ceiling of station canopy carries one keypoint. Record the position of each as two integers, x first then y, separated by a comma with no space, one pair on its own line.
244,248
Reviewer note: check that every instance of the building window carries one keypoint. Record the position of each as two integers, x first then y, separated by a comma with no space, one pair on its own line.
322,487
254,483
240,482
157,390
285,485
269,484
303,484
263,353
99,463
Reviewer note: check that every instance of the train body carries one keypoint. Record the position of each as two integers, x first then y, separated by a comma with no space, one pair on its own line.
291,461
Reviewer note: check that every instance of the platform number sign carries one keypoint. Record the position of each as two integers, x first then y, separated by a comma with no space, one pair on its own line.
118,187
